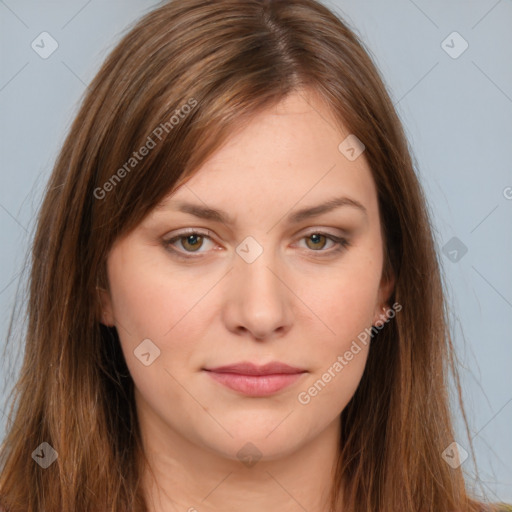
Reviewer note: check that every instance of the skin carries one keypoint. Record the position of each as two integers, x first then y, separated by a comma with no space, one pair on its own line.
291,305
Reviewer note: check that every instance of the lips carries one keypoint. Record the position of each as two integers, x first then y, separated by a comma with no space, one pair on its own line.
246,368
256,381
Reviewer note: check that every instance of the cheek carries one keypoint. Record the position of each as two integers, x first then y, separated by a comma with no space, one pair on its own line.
150,305
149,301
345,310
345,307
167,308
142,306
344,301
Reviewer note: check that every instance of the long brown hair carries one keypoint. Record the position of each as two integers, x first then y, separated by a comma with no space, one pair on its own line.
225,60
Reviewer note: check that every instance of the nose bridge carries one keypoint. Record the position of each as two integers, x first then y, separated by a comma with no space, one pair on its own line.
259,300
255,270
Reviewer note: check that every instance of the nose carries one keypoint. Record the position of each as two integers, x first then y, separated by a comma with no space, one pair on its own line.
258,301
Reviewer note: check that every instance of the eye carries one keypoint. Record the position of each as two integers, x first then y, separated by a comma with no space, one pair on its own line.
316,241
192,241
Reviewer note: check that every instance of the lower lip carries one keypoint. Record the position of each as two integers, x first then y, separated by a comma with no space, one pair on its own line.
256,385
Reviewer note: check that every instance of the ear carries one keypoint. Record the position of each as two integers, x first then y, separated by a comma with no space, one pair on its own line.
105,311
387,285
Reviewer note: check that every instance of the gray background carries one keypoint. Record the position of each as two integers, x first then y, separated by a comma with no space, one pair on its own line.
457,113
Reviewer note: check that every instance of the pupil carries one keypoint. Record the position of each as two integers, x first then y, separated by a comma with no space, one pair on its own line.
192,240
315,238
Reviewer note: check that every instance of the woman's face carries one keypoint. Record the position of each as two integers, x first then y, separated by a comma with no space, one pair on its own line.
260,287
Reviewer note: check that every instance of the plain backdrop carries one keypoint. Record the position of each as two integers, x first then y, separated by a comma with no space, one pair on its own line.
448,67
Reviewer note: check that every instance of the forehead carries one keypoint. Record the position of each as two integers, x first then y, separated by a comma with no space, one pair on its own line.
288,154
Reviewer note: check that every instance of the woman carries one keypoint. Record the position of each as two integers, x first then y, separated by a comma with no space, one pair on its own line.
235,301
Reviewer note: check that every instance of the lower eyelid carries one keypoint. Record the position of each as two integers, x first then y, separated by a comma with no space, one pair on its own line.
337,241
169,243
340,244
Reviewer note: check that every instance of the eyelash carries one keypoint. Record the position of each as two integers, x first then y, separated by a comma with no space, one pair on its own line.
341,243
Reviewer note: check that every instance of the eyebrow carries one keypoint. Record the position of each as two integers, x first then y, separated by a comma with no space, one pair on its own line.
294,217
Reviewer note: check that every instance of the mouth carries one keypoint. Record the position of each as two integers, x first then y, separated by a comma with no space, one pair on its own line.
253,380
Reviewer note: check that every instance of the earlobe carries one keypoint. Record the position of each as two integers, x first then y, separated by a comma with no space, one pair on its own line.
380,315
385,292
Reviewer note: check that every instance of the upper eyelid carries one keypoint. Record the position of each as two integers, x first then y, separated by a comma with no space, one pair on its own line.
208,234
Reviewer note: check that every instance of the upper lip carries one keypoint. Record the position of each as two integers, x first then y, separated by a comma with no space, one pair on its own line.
247,368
